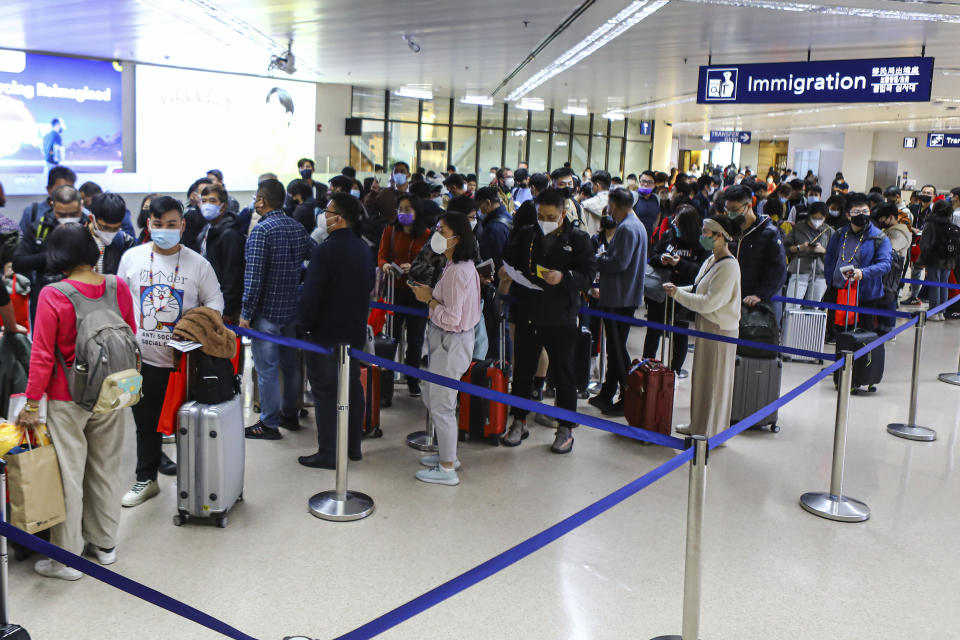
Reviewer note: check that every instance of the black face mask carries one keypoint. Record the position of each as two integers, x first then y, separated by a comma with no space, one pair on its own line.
567,192
925,198
607,222
861,220
306,173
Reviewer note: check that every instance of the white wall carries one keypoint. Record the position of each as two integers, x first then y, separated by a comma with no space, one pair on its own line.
927,166
750,155
812,141
857,153
332,147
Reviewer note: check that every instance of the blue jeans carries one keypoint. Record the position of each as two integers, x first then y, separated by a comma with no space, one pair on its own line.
272,361
938,295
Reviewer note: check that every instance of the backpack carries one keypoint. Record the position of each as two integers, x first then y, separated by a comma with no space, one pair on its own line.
948,242
105,375
891,279
759,324
212,380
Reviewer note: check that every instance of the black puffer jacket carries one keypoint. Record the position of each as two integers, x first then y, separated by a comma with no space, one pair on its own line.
225,252
691,253
570,252
763,263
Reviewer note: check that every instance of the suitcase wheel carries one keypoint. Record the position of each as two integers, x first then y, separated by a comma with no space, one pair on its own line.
376,433
775,428
872,388
303,413
180,519
220,519
494,440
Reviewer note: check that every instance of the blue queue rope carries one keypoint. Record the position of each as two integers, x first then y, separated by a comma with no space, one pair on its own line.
295,343
943,306
867,311
635,433
870,346
513,555
120,582
931,283
410,311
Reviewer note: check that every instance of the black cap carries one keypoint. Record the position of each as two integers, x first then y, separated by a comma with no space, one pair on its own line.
891,191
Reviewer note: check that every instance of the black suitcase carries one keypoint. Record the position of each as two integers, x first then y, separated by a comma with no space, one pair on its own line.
867,370
386,347
756,383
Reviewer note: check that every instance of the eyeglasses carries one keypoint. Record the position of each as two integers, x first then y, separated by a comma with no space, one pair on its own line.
860,211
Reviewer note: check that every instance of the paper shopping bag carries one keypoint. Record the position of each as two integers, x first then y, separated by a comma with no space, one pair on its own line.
36,491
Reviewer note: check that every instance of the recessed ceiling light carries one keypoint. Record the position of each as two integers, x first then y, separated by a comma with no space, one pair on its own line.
531,104
414,91
629,16
614,115
485,101
574,110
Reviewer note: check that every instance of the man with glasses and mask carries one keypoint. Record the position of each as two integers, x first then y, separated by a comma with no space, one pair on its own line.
759,250
926,195
860,252
107,211
647,206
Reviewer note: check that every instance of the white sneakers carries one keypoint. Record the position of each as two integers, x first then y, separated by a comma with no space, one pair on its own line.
937,317
438,475
434,461
140,493
52,569
104,556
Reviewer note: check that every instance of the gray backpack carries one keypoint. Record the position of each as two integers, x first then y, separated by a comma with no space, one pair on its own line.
105,375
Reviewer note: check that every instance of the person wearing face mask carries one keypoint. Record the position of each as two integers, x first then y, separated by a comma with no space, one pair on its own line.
759,250
839,185
306,169
704,197
332,309
248,217
400,245
505,183
383,203
864,247
796,205
892,195
304,204
521,192
887,218
647,206
274,253
558,257
806,245
223,248
594,207
195,224
30,256
216,176
565,180
166,279
369,227
471,184
527,212
836,205
939,235
496,225
814,194
456,186
715,297
925,197
105,225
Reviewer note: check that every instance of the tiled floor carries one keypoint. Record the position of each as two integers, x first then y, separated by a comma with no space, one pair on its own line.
770,569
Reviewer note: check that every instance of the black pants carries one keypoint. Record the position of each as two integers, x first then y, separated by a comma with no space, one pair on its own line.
560,343
618,360
415,325
322,372
656,312
146,414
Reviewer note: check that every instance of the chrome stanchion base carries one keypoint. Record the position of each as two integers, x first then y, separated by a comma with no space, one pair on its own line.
420,441
354,506
839,508
950,378
912,432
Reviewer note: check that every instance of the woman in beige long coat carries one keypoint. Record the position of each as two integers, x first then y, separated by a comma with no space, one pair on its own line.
715,297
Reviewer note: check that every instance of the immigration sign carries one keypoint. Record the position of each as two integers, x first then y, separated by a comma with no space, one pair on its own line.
871,80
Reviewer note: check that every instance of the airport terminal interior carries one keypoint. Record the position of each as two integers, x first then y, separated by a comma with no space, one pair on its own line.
796,137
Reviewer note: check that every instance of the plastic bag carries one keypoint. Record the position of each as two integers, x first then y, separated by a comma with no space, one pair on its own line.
13,436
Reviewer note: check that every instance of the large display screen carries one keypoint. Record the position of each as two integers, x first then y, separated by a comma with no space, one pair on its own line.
189,122
59,110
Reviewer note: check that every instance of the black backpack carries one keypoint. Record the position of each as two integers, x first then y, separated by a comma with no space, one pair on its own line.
212,380
948,242
898,266
759,324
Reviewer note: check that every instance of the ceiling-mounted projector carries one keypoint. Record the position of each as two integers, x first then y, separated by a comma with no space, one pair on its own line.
285,62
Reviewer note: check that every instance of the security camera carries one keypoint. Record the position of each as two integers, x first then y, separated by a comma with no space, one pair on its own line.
411,43
285,62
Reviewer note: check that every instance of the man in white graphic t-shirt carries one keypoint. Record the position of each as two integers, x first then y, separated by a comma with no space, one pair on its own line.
166,279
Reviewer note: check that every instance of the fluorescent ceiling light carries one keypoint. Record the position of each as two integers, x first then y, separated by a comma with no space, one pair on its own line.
857,12
531,104
614,115
485,101
560,143
413,91
632,14
573,110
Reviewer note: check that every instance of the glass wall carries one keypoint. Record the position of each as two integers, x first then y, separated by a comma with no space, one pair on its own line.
435,133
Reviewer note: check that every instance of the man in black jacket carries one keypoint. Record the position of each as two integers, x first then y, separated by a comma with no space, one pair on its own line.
30,257
559,258
704,198
763,265
647,206
305,204
224,248
333,309
107,211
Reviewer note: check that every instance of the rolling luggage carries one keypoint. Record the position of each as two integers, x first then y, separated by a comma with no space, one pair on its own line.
759,324
648,400
210,460
386,347
756,383
370,380
479,418
868,369
804,329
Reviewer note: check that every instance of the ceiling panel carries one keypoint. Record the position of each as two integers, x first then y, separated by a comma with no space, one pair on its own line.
470,46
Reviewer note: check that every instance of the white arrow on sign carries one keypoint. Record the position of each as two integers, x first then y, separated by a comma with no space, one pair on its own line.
744,137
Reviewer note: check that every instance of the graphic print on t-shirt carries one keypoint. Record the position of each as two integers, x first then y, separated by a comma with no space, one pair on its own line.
161,306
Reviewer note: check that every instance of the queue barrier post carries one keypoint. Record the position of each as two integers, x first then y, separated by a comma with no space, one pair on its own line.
341,505
910,430
833,505
671,312
423,440
692,572
951,377
596,385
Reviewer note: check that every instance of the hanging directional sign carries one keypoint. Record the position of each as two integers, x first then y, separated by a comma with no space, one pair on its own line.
743,137
943,140
869,80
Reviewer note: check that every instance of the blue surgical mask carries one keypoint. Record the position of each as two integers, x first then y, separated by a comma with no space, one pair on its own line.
355,193
812,199
165,238
399,179
210,211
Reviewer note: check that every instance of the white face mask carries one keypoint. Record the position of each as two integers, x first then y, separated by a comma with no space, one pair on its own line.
493,176
438,243
508,183
355,193
473,223
548,227
70,220
816,223
106,237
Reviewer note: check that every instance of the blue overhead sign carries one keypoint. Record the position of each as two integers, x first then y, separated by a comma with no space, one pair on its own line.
644,127
943,140
743,137
871,80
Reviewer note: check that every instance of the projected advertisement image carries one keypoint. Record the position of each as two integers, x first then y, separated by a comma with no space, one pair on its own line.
57,110
191,121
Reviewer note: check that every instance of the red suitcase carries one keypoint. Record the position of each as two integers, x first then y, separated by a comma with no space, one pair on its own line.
370,381
479,418
649,399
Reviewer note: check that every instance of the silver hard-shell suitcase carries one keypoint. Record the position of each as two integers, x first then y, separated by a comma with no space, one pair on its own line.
804,329
756,383
210,460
